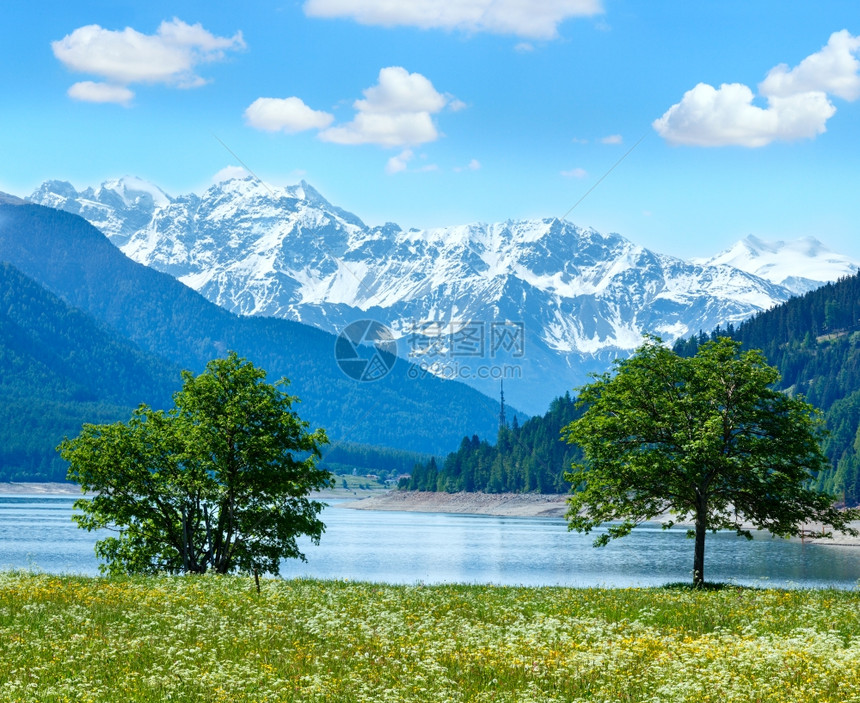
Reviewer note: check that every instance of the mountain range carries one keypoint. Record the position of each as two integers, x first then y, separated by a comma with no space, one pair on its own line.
536,303
812,339
86,334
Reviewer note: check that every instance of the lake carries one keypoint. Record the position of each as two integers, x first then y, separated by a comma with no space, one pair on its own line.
399,547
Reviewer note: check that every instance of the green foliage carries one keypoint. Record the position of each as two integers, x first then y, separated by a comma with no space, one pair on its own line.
529,458
219,483
155,314
705,439
814,342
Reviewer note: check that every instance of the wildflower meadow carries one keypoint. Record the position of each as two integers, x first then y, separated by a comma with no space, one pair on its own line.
207,638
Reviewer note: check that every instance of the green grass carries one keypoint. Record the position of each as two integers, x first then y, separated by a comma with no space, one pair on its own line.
216,639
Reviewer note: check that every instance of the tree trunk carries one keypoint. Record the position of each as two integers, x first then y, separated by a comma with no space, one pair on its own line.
699,552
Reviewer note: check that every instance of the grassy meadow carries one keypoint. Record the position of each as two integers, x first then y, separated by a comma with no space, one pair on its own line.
216,639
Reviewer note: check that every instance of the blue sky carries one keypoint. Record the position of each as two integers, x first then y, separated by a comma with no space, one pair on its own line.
433,113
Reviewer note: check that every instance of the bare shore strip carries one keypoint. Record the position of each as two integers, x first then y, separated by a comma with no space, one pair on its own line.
73,489
500,504
512,505
497,504
46,489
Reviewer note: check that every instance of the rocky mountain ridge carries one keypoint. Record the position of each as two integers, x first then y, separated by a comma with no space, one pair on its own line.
538,303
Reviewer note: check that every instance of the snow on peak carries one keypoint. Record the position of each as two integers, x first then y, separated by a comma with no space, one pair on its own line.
581,297
130,188
800,265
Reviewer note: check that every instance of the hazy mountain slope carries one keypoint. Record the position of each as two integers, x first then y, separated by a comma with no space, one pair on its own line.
52,350
76,262
59,368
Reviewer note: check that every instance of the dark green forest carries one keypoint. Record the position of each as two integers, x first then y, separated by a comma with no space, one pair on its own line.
60,368
528,458
814,341
86,335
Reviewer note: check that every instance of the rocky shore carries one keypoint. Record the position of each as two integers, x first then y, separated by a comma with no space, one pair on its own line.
57,489
501,504
512,505
72,489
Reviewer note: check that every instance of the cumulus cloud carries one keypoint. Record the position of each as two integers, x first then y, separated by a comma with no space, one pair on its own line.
397,111
229,172
832,70
88,91
399,163
530,19
121,58
708,116
798,105
285,114
473,165
575,173
612,139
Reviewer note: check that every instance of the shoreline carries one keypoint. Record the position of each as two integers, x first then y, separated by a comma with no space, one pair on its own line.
496,504
58,488
530,505
40,488
518,505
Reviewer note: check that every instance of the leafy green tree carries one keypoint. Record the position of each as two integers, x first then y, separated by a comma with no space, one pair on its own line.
218,483
703,438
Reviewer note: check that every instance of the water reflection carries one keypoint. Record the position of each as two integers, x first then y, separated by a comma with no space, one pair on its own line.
399,547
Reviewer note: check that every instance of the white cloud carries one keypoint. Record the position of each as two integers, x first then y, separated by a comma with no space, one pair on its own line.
575,173
612,139
123,57
832,70
399,163
473,165
287,114
397,111
707,116
88,91
524,47
530,19
798,106
229,172
384,130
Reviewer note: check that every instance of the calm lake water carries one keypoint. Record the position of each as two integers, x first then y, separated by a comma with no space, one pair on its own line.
398,547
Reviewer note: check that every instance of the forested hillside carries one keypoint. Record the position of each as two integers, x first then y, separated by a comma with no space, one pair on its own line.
104,302
814,341
60,368
527,458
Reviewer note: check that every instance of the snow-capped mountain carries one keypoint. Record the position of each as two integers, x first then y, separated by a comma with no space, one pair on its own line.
801,265
120,207
539,303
